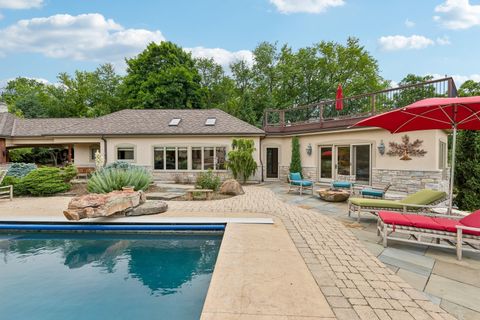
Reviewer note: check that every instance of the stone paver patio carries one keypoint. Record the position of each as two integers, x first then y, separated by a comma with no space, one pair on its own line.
356,284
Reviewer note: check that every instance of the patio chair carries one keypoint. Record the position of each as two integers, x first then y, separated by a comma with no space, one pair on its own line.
6,192
444,231
344,182
374,192
419,201
295,182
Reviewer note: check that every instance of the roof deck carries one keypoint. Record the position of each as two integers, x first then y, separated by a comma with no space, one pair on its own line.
323,116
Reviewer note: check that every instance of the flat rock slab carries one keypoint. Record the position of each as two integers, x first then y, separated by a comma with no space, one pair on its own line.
409,261
147,208
460,293
164,195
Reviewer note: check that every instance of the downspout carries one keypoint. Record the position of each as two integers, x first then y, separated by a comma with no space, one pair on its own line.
104,150
260,154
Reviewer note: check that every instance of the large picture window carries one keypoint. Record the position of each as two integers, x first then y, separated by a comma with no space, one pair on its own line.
202,158
126,153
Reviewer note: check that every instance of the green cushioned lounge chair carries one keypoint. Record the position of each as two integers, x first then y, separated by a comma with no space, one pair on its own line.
416,202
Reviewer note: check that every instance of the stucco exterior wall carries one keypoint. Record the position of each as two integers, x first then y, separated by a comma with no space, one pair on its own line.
427,167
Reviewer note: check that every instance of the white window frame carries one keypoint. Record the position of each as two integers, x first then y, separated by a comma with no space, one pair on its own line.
165,157
126,146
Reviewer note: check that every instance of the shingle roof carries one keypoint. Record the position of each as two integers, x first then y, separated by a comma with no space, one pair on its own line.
6,123
136,122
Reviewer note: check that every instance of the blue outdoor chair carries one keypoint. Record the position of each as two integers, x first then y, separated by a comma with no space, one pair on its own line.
296,182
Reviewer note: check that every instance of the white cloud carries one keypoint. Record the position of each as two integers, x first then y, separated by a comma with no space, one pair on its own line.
82,37
458,14
459,79
398,42
409,23
20,4
443,41
305,6
222,56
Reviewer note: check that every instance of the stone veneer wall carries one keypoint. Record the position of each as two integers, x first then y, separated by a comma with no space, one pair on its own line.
189,177
309,173
410,181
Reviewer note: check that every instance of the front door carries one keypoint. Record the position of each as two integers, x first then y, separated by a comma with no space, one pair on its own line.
326,163
272,163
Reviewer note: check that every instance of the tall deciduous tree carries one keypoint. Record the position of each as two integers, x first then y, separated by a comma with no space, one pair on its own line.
467,168
162,76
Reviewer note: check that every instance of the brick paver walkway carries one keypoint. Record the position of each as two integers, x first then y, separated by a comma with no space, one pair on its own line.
356,284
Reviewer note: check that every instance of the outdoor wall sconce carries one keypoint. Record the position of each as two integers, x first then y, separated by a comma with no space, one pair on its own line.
381,148
309,149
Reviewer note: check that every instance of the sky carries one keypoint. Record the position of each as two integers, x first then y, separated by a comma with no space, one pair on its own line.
41,38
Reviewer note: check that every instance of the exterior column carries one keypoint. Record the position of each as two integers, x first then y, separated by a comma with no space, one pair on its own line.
3,151
69,159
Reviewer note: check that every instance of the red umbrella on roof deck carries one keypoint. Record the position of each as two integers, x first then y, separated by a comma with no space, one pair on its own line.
429,114
339,98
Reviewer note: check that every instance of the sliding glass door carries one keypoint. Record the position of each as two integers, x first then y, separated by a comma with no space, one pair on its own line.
361,163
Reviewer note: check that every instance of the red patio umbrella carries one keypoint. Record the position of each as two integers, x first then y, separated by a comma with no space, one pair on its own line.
339,98
429,114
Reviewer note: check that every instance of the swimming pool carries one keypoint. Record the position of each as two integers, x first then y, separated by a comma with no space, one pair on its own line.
105,276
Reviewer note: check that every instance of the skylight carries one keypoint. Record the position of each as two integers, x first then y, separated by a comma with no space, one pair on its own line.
174,122
210,121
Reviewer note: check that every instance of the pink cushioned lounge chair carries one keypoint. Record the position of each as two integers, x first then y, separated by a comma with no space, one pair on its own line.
462,233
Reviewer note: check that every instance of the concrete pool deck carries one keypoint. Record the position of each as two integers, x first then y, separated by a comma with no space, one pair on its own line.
355,284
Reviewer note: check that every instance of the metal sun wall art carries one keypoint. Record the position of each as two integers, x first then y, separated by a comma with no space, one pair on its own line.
406,149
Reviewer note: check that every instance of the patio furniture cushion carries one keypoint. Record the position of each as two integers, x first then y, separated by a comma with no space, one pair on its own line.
376,203
295,176
447,224
341,184
423,222
394,218
372,193
303,183
472,220
424,197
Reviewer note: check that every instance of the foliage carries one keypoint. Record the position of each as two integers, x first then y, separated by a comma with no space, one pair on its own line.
119,164
99,160
110,179
41,155
20,170
43,181
296,163
240,159
406,148
467,163
162,76
15,182
69,172
208,180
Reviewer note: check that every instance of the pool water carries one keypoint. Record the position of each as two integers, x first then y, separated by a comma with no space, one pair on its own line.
94,276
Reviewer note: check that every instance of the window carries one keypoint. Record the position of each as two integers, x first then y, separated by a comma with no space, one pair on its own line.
159,158
220,157
197,158
208,158
93,152
126,153
442,157
174,122
210,121
182,155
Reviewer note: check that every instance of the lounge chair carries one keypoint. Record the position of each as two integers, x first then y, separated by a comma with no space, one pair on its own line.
375,193
419,201
444,231
296,182
6,192
344,182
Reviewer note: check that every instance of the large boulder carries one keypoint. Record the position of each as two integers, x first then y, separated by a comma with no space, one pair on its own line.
149,207
231,187
103,205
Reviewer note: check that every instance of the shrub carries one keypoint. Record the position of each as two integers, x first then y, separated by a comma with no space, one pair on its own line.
109,179
208,180
295,163
43,181
119,164
69,172
467,170
20,170
240,159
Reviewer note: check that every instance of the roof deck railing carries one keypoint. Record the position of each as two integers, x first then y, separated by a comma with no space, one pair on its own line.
323,115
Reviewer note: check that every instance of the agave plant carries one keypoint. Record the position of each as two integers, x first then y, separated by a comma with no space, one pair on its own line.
110,179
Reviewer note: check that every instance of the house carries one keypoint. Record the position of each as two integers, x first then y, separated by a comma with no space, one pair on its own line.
178,144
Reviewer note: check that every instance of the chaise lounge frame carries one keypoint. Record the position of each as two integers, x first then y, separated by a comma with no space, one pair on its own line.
435,238
406,207
299,187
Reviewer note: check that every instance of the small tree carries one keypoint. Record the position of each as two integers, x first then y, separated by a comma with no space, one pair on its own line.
240,159
295,163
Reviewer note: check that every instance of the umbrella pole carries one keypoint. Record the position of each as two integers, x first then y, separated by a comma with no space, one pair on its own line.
454,145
